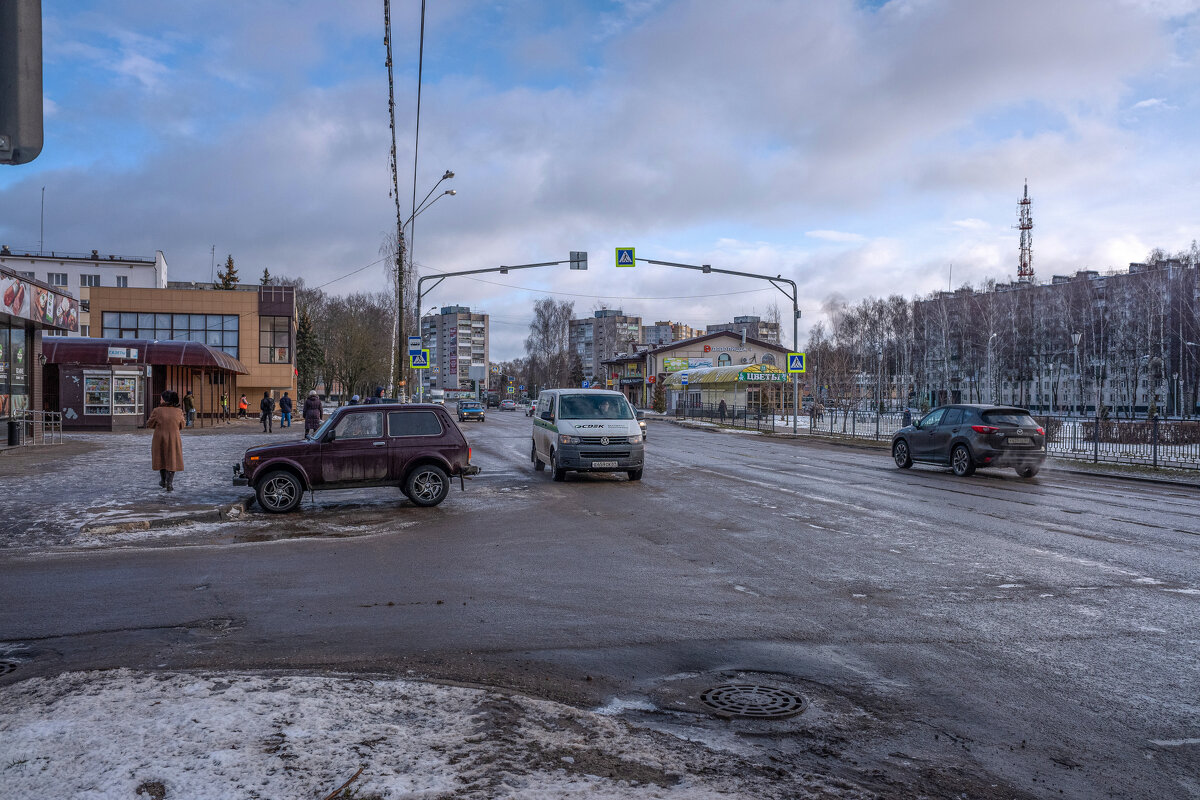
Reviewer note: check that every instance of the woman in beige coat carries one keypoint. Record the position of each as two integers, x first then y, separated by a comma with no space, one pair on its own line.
166,450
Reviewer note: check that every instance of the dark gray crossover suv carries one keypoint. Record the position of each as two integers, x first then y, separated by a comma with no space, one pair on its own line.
965,437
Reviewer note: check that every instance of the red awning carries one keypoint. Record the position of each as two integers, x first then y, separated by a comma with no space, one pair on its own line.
84,350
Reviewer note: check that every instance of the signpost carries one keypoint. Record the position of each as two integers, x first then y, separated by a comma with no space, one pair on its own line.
419,360
795,363
625,257
414,345
585,384
684,378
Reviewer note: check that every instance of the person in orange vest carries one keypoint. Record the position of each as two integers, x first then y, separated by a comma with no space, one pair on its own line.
242,406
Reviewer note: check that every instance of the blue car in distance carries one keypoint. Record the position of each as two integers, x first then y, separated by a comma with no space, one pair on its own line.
470,410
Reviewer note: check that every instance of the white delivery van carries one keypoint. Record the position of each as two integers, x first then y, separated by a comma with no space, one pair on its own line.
587,430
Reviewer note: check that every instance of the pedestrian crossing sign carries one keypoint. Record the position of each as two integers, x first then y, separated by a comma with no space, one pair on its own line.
795,362
419,360
625,257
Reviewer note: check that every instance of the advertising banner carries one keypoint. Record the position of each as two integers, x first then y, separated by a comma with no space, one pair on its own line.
675,364
699,362
23,299
760,373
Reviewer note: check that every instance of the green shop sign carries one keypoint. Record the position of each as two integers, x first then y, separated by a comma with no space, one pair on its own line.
760,377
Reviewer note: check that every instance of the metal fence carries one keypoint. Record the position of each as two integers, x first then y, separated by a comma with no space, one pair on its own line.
753,419
1156,442
35,427
856,424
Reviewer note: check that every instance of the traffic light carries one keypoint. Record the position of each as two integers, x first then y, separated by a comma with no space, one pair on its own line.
20,81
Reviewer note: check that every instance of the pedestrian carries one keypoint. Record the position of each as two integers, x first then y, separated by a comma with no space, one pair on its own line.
225,406
243,406
378,395
721,409
353,400
189,409
267,408
285,411
312,412
166,448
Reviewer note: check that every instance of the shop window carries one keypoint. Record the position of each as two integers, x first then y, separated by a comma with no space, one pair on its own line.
723,360
97,394
274,340
127,395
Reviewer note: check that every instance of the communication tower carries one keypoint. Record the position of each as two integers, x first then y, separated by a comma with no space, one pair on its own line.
1025,220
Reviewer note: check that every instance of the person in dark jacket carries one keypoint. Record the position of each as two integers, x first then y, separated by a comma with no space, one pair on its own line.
353,401
285,411
312,412
189,410
267,407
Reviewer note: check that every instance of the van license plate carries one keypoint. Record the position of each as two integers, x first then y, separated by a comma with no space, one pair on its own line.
1019,440
602,464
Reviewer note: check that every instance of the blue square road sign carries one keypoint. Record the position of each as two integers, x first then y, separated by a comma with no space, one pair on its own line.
795,362
625,257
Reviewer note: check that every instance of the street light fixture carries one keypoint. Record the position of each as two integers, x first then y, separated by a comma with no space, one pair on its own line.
578,260
778,282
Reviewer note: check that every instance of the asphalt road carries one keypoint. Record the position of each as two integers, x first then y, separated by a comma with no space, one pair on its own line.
987,636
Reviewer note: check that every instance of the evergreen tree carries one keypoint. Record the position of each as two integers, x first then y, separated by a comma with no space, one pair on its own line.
265,280
660,399
308,353
227,277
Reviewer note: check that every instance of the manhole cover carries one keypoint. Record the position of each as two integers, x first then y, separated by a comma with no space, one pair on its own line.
7,666
752,700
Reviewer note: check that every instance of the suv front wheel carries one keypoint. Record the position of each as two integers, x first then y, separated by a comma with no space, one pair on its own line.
901,454
279,492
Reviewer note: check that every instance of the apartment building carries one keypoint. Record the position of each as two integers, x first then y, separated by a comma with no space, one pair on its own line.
661,333
75,274
753,327
457,339
602,336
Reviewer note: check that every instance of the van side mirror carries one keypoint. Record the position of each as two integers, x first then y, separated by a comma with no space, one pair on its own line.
641,415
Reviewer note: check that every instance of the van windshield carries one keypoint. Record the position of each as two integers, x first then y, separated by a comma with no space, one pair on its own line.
593,406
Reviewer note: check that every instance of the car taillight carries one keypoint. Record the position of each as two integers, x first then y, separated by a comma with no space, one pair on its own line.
984,429
1041,431
468,455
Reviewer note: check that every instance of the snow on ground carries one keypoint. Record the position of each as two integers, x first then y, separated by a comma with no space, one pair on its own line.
99,735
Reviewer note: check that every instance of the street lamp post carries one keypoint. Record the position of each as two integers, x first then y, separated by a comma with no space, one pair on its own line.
878,387
1075,338
574,261
778,282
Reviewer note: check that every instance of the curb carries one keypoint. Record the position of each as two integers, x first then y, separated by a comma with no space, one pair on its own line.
229,512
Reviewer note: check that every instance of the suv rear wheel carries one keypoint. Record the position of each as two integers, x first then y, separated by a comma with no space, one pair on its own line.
1027,472
961,463
427,485
901,455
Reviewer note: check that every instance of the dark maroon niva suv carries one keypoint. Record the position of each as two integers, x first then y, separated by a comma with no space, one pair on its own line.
414,447
965,437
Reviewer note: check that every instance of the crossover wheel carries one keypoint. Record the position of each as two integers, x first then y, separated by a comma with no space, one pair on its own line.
1027,472
427,485
279,492
960,462
635,474
901,455
560,474
533,456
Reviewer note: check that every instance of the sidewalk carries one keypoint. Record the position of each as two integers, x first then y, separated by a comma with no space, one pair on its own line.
54,495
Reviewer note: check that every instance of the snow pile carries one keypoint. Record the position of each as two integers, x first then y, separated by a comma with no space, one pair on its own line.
221,735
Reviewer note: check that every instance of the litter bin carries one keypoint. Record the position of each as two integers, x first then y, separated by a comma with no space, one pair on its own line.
16,433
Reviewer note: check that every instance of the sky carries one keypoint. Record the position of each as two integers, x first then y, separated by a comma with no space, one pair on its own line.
858,148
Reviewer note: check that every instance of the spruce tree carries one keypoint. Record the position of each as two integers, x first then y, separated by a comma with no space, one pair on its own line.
227,277
265,280
308,353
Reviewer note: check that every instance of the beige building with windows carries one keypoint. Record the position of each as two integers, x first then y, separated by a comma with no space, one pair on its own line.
254,324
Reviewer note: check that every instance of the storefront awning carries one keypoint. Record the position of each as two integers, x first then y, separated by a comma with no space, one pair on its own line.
59,350
712,377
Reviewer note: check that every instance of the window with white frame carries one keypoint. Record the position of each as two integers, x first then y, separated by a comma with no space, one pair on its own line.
123,281
89,280
56,278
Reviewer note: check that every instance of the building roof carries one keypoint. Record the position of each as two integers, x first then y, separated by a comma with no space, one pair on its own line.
85,350
727,334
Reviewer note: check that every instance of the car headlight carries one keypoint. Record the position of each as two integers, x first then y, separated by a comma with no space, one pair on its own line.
565,439
635,439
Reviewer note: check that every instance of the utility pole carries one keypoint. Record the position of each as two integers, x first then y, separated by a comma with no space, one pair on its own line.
396,370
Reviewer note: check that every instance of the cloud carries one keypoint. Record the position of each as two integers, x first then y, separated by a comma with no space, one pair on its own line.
972,224
835,236
1153,102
